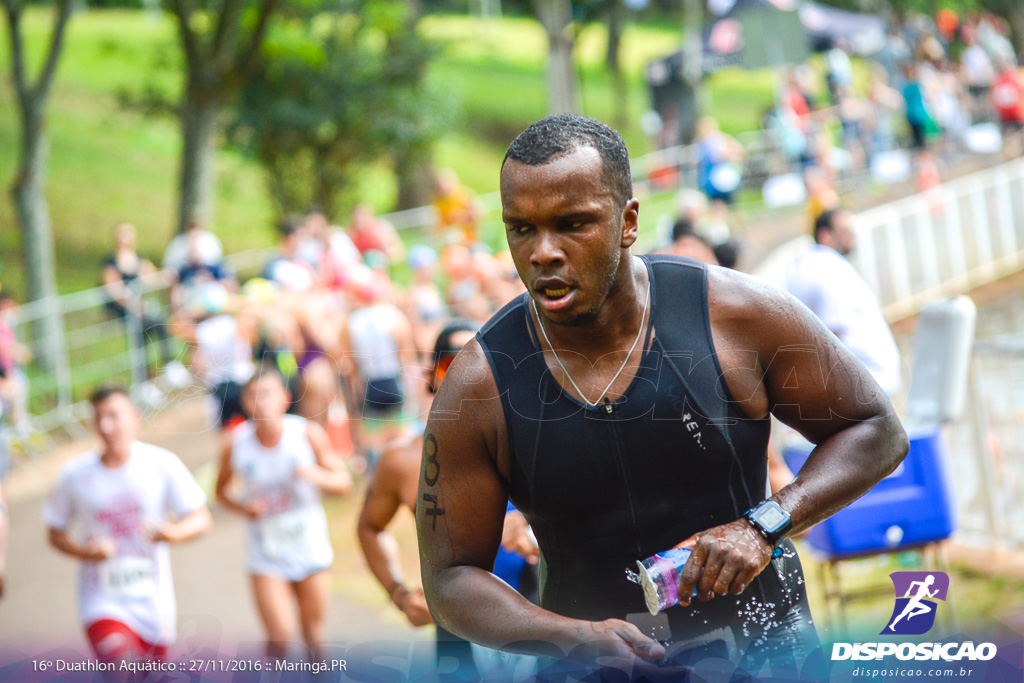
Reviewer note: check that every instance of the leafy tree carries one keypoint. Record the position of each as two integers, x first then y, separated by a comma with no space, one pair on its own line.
1013,12
28,190
339,89
222,41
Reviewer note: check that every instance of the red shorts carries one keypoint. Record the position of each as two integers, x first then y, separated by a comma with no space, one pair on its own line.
113,641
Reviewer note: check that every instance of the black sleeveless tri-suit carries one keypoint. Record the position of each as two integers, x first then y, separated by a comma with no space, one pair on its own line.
606,486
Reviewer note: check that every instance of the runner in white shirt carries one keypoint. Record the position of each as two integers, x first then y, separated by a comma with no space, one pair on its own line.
824,281
116,509
281,464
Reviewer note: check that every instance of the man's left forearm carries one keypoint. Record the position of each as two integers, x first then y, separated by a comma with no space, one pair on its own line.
842,468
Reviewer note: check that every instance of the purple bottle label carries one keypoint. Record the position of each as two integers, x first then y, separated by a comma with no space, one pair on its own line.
659,577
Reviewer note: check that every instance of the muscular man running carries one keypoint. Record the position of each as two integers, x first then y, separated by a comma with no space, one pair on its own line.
623,406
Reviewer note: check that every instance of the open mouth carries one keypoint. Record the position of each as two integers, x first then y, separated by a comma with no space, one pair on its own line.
553,298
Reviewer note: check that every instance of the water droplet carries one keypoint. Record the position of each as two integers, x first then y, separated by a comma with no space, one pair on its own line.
632,576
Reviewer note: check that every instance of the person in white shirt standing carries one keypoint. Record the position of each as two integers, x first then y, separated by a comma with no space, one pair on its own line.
282,463
128,500
824,281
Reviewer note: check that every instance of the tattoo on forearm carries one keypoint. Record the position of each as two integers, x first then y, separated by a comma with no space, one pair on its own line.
435,511
431,467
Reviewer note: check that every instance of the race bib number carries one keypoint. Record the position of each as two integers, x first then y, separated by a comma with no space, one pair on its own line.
128,577
285,534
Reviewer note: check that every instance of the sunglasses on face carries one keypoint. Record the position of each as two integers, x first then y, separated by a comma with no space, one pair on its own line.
440,370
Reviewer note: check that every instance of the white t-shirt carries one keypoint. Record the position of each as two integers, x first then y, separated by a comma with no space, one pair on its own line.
977,66
134,586
342,250
291,541
211,252
226,356
372,333
835,292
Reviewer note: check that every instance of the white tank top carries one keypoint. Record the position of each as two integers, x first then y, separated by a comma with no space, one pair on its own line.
291,541
226,356
372,331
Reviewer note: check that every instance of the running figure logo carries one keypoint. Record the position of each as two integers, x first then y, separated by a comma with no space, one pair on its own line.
914,613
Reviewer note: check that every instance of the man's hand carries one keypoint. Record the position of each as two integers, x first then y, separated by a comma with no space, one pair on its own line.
618,639
614,644
162,533
517,538
414,605
725,559
254,509
98,551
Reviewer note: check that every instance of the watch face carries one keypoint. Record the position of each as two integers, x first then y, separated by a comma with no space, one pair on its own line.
771,517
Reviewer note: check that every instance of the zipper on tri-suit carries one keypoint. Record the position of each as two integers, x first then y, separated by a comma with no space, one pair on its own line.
620,452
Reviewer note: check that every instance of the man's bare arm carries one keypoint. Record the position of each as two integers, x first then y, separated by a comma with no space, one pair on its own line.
460,513
777,357
92,551
190,526
383,499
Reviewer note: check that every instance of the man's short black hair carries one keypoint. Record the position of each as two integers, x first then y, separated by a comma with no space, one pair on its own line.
444,349
105,391
682,228
552,138
266,367
289,225
727,254
825,221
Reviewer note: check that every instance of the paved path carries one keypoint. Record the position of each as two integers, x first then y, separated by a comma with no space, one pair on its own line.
38,610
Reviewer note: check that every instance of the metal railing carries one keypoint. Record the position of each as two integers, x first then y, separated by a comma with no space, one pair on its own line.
987,445
947,241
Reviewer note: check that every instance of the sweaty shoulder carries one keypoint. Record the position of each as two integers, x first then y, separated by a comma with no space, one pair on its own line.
733,295
750,321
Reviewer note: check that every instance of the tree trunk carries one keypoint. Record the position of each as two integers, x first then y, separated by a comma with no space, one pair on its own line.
693,51
29,196
1016,19
199,119
620,96
28,189
415,176
563,87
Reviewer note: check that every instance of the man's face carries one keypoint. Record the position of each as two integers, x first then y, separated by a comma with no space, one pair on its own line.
845,238
266,398
566,232
316,225
115,420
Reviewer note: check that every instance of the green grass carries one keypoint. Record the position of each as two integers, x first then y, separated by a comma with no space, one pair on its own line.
109,162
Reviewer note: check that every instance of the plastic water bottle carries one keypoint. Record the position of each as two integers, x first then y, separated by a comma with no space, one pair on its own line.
659,577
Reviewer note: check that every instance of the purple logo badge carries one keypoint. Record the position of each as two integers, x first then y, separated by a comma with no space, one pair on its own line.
916,593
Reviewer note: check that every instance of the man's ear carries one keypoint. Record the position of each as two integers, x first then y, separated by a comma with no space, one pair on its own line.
630,223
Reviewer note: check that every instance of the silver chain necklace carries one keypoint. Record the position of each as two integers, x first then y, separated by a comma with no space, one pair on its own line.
640,332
